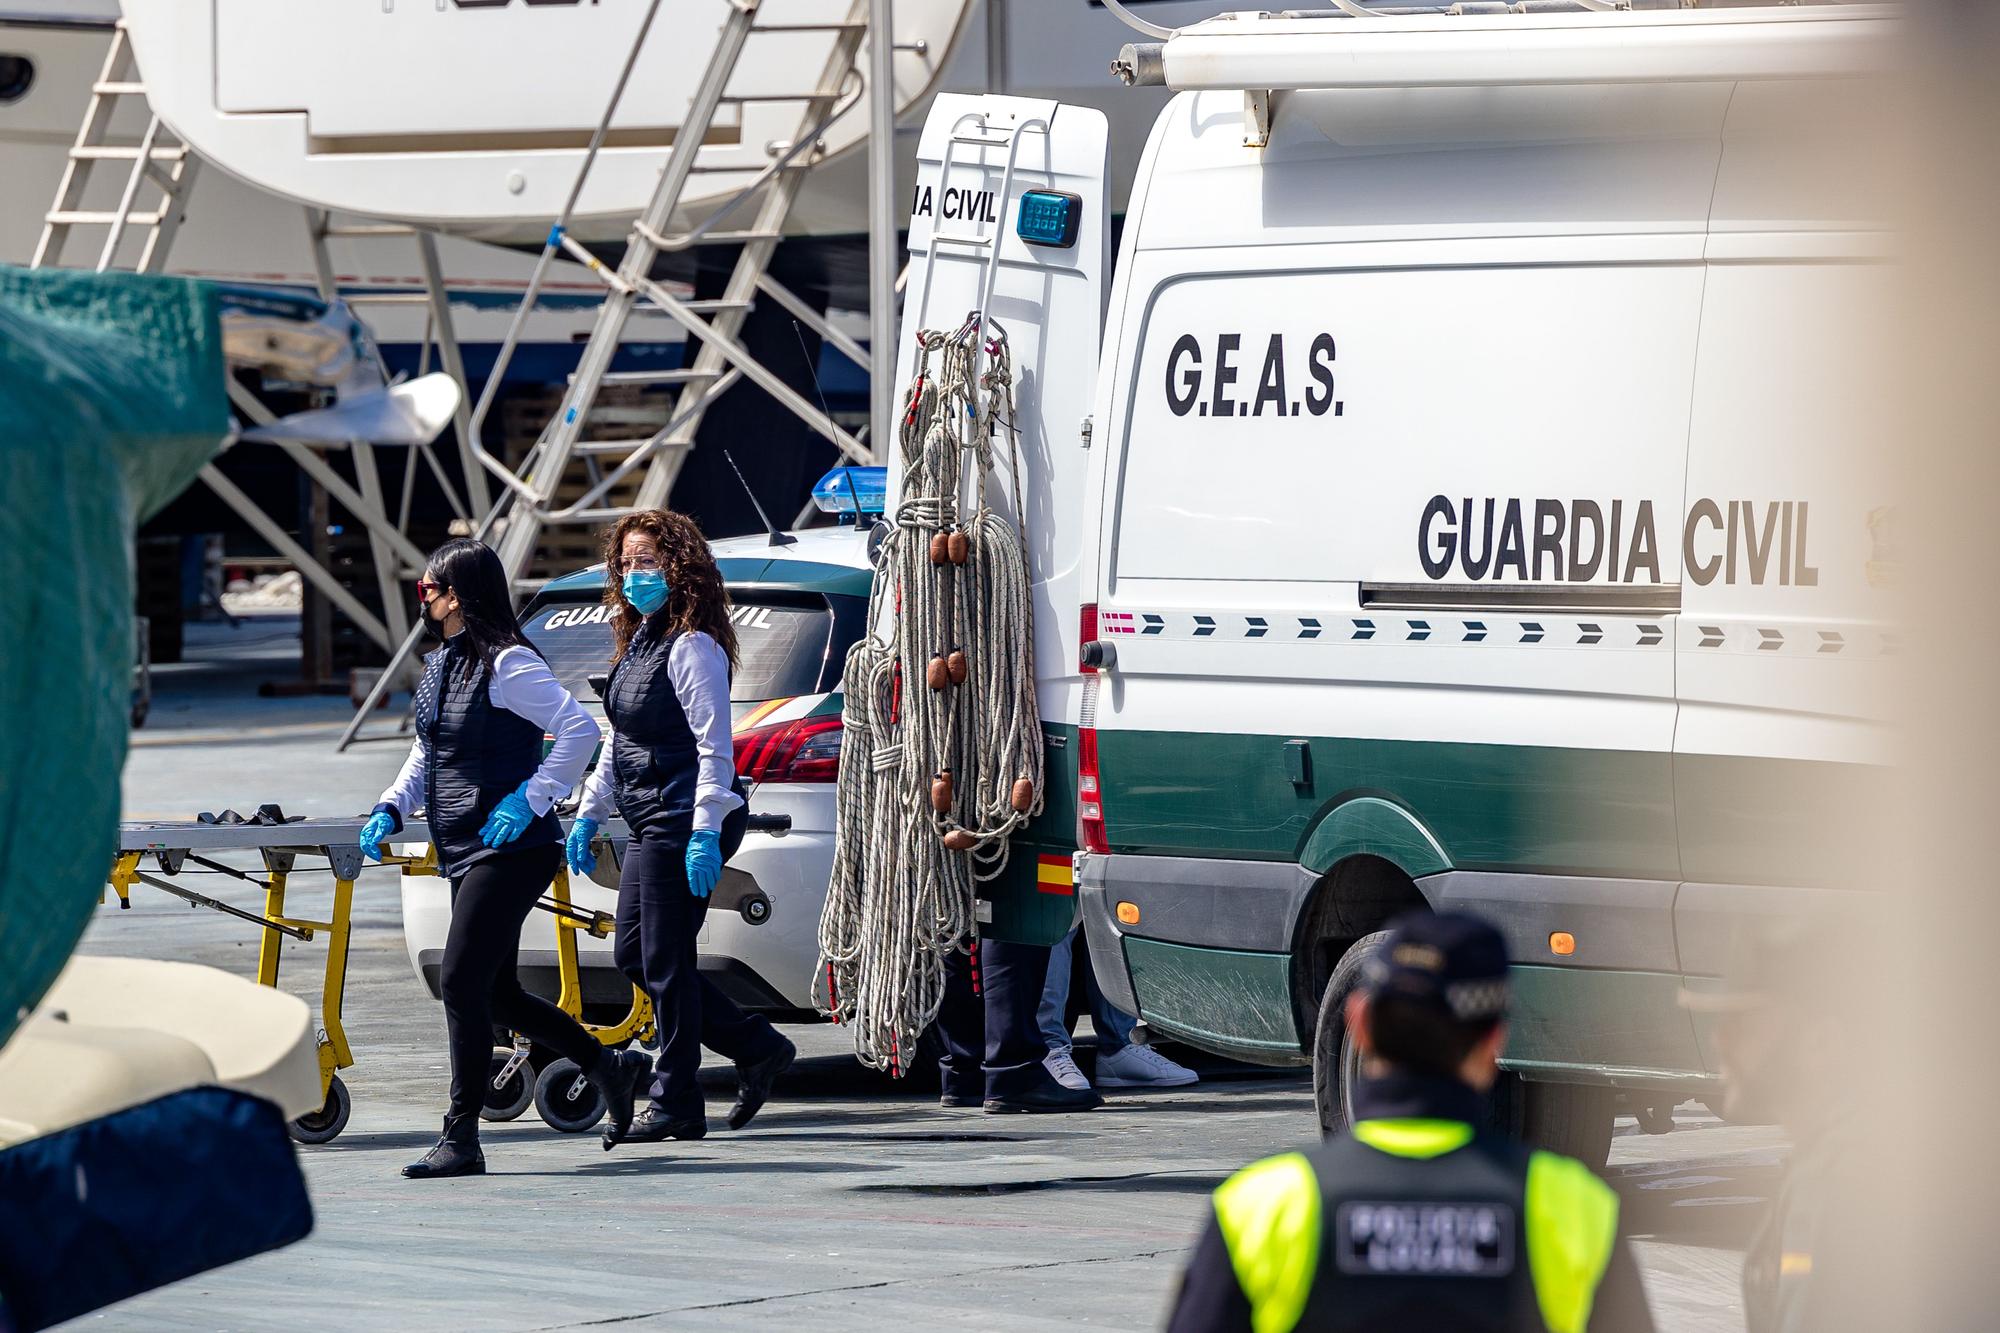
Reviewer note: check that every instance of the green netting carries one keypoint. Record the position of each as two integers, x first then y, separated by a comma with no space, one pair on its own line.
111,399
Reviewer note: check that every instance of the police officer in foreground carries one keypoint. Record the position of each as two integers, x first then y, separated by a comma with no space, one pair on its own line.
1420,1217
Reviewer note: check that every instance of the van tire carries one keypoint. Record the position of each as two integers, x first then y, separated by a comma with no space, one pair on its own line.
1334,1055
1568,1118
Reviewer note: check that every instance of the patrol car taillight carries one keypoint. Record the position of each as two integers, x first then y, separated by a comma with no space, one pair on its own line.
807,750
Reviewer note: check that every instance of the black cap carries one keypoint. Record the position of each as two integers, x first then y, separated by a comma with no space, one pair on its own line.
1452,961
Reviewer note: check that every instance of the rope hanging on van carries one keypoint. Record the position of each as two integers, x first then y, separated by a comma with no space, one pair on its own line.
942,748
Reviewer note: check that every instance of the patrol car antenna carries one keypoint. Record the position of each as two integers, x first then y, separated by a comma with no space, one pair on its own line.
847,475
777,538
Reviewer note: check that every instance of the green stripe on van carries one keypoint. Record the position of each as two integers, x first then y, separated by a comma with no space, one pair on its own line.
1551,810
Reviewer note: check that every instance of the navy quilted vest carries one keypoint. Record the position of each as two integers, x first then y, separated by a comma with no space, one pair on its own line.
654,760
474,754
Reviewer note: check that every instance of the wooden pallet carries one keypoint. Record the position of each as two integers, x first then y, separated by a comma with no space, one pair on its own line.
622,412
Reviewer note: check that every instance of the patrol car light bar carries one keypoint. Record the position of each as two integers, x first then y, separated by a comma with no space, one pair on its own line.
1245,52
852,490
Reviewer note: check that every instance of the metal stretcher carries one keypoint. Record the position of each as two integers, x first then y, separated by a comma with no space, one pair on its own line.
173,847
154,853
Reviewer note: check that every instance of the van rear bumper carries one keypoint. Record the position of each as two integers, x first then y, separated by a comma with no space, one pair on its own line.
1209,960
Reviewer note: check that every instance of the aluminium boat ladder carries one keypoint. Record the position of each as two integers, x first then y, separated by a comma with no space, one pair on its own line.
722,360
160,160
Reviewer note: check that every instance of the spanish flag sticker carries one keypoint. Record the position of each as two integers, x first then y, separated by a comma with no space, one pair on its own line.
1053,875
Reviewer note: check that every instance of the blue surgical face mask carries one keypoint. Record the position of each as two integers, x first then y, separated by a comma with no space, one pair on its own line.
646,589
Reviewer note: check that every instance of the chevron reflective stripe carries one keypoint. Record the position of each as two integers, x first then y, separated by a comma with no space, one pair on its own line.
759,713
1496,631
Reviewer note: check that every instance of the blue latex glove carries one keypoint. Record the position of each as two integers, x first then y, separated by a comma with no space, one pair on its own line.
379,826
582,860
509,819
704,861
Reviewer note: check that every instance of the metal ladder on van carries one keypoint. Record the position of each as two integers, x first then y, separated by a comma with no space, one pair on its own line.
985,248
159,159
722,360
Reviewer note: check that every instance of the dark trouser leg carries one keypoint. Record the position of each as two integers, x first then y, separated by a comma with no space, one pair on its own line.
489,902
961,1024
1011,979
658,920
513,1007
729,1031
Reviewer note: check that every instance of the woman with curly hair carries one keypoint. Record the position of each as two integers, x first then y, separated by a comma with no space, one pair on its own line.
669,767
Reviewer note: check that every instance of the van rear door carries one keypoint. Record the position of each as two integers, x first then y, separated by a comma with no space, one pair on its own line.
1048,299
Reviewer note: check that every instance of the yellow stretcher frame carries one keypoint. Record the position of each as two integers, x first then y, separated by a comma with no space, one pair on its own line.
637,1025
277,924
558,1090
335,1053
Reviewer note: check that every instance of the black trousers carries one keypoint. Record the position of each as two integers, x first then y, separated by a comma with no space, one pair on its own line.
658,920
993,1046
478,979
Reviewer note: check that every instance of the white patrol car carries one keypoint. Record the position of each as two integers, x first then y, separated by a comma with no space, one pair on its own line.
797,606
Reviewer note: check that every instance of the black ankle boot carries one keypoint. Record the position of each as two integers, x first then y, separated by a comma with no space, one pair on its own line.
617,1077
456,1154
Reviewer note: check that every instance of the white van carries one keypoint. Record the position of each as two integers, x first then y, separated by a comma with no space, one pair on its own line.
1482,506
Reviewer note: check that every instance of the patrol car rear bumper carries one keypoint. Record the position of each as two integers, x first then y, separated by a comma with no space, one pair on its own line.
1209,959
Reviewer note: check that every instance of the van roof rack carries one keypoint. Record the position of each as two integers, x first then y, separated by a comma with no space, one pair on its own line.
1478,43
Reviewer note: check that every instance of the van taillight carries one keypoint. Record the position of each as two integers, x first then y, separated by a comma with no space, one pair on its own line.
1089,792
1089,787
807,750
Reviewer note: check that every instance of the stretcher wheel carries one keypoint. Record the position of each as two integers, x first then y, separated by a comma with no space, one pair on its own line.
325,1124
509,1099
565,1098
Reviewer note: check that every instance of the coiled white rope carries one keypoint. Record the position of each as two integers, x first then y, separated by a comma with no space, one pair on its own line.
942,749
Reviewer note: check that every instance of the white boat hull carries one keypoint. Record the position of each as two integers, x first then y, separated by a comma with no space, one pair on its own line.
476,120
245,223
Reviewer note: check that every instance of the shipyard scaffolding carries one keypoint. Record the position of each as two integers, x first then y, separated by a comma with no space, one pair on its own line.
591,460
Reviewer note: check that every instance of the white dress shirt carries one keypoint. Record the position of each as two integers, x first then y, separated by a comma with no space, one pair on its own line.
521,683
699,670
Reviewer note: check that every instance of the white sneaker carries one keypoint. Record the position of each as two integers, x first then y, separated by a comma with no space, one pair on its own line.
1062,1065
1141,1067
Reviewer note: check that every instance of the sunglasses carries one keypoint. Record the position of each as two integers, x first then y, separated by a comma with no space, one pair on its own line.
426,589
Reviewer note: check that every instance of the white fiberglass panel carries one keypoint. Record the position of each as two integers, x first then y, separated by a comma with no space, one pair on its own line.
1410,425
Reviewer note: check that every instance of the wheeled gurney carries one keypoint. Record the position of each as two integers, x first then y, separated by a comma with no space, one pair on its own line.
155,853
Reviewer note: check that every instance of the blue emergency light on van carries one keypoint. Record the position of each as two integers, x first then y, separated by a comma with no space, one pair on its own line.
852,491
1049,217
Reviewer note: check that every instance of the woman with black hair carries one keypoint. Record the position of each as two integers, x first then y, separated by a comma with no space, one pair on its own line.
477,768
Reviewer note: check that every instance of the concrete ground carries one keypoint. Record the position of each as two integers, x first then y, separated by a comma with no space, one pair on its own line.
850,1203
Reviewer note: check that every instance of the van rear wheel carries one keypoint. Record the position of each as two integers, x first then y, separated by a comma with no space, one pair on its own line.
1336,1058
1563,1117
